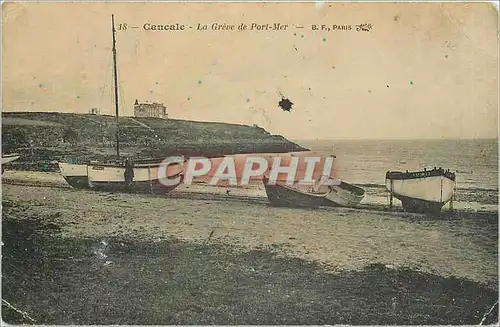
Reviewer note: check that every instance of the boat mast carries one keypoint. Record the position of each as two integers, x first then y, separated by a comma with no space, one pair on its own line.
116,88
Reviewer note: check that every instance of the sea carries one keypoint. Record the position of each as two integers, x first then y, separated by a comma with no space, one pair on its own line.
365,162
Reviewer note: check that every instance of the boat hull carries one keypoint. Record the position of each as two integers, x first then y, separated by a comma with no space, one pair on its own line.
420,206
9,158
134,187
152,186
281,195
111,178
78,182
426,191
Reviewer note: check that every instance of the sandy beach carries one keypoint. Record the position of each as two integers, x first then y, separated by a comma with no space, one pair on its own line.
96,227
338,237
461,246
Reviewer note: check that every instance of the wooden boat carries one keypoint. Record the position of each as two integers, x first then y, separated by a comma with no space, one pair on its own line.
6,158
345,194
421,191
282,195
75,175
121,175
144,179
113,177
341,195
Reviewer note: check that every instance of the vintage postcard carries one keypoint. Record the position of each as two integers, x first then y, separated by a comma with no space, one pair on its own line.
311,163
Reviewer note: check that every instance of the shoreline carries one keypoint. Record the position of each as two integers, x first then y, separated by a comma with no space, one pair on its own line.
374,200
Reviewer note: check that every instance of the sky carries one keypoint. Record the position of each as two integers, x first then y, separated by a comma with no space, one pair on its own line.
424,70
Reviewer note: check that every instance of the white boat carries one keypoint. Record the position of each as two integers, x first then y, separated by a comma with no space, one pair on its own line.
116,177
75,175
145,177
345,194
6,158
421,191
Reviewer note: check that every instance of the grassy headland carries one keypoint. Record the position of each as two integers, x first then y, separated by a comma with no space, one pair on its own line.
42,137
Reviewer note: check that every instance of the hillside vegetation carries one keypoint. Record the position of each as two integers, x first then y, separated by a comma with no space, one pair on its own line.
44,137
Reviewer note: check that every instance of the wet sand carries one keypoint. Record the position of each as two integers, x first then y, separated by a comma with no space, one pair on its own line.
470,200
454,249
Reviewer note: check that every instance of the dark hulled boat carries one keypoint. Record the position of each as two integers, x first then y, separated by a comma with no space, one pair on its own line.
283,195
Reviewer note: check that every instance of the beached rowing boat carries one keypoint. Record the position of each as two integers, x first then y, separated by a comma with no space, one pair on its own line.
341,195
6,158
280,194
421,191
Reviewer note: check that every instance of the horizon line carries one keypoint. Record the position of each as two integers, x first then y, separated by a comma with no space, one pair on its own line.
395,139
